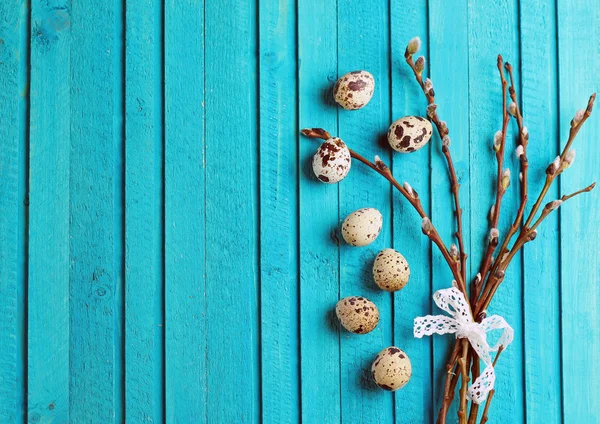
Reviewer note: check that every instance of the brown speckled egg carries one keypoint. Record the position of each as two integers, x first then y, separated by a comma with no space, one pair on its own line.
409,134
357,314
391,369
390,270
362,227
354,90
332,161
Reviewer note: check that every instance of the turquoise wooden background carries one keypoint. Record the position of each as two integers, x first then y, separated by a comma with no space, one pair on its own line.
167,256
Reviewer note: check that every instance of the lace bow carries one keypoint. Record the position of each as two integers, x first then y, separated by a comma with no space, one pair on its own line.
461,323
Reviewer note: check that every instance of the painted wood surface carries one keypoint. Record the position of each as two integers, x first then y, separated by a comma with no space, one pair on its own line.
167,256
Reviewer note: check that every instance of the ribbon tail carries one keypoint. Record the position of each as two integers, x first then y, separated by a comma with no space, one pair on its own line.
434,324
479,390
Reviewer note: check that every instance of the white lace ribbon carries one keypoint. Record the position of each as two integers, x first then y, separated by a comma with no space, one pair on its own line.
461,323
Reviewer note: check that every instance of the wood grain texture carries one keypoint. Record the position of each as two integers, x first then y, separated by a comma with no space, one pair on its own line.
413,403
48,273
95,281
144,213
449,70
541,332
579,38
493,30
319,218
365,47
14,90
185,227
232,213
279,282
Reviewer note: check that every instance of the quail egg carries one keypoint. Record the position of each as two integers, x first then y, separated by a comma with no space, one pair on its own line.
332,161
354,90
362,227
391,369
390,270
357,314
409,134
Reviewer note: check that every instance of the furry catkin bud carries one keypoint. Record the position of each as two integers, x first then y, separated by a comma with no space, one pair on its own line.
428,86
525,133
454,252
520,176
512,109
494,234
443,127
454,284
491,214
413,46
478,278
553,167
426,226
578,117
519,151
553,205
505,178
569,158
431,110
497,141
409,189
532,235
446,141
379,163
420,64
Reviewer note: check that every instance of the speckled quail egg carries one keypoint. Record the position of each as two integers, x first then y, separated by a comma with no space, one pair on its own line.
332,161
362,227
409,134
391,369
390,270
357,314
354,90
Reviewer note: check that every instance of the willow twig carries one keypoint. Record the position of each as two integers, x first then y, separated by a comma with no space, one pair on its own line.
462,362
525,237
501,186
443,131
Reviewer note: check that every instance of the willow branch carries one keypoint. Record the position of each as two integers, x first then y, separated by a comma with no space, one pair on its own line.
524,164
462,362
448,392
575,127
525,237
442,129
501,186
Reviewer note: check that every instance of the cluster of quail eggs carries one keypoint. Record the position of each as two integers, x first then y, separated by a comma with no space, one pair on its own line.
353,91
391,368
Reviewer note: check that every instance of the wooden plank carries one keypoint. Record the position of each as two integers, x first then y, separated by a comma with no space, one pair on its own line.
413,403
48,318
144,212
14,51
493,29
449,70
319,252
232,212
539,93
95,196
365,47
185,308
280,354
579,65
